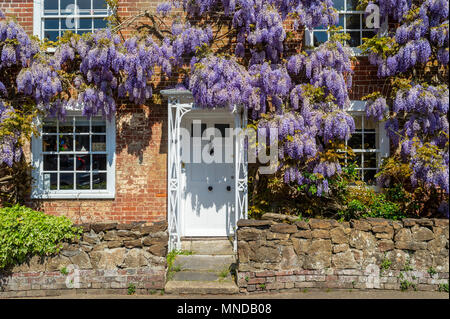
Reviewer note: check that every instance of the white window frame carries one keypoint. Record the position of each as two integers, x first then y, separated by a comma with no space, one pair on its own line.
39,192
38,17
358,108
309,33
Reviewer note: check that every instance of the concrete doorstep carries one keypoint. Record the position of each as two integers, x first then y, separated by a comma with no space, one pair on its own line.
206,271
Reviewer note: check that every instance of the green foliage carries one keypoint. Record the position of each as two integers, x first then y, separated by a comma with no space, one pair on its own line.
443,287
25,232
432,271
385,265
363,202
64,271
407,266
224,273
418,201
384,46
131,289
171,269
405,285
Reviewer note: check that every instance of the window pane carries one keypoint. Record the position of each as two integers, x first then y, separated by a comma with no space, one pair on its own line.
67,6
49,126
369,176
358,123
368,34
98,126
51,24
66,127
99,181
82,143
355,39
338,5
370,141
352,21
85,23
68,24
65,181
369,124
83,181
224,130
83,162
98,143
320,37
99,4
370,160
51,35
49,143
66,143
51,5
50,181
197,131
81,126
100,23
341,20
50,162
66,163
99,162
355,142
84,4
351,5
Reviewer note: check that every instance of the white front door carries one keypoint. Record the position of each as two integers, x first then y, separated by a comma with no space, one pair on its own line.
208,188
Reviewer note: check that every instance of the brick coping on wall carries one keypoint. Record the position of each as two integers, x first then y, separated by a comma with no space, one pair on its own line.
282,253
109,258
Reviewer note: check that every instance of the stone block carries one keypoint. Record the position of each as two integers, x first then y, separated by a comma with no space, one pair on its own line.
385,245
276,236
283,228
99,227
248,234
344,260
340,248
339,235
301,224
302,234
320,224
422,234
320,233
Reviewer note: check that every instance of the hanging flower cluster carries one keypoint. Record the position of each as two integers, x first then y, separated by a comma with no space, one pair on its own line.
417,62
9,151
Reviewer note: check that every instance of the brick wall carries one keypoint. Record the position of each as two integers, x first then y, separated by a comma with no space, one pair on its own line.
141,140
22,10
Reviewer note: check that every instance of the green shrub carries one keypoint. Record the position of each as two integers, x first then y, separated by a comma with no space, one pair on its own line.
25,232
363,202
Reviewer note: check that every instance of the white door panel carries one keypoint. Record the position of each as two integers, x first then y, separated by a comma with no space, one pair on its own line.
208,188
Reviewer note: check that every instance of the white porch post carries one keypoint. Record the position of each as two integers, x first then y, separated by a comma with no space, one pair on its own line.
176,110
241,174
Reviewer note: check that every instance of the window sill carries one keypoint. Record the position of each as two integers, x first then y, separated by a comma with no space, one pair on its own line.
74,195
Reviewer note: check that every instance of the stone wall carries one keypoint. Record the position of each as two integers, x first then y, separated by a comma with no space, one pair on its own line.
108,258
284,253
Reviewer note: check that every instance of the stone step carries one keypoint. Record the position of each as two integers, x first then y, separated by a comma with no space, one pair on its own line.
208,246
201,287
203,262
200,276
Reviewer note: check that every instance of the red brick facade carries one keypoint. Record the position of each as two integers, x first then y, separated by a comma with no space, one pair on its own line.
141,142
